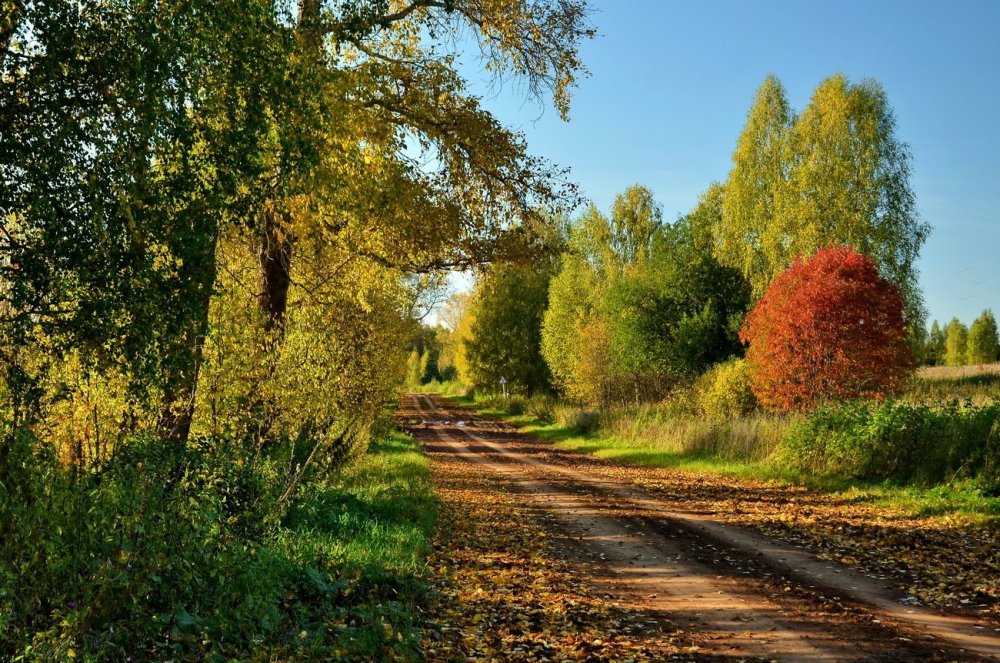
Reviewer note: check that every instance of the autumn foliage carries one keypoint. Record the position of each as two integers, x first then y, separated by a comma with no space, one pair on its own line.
827,328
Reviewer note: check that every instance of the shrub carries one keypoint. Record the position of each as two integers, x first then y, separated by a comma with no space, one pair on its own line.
542,408
582,420
516,405
916,443
513,405
724,391
828,328
188,553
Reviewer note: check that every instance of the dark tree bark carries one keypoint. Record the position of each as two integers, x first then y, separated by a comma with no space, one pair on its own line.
182,357
275,271
276,240
308,23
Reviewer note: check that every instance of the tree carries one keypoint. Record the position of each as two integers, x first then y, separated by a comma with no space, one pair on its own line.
502,336
426,343
828,328
677,312
745,234
956,343
837,175
128,131
371,76
919,344
414,371
983,345
635,219
381,152
638,304
849,183
576,341
10,17
936,341
564,325
449,336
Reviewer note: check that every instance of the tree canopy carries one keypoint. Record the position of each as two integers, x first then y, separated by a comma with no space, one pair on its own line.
501,330
827,328
956,343
218,221
834,174
983,345
639,304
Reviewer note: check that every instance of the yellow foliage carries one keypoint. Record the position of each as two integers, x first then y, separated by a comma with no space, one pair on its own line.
339,360
724,390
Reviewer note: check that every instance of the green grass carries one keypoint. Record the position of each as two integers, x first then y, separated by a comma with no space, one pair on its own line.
963,499
371,527
377,512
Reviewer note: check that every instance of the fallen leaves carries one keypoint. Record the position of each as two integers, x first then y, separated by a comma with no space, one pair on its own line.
940,561
507,590
504,594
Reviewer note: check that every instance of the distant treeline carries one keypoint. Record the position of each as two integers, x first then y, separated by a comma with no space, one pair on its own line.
630,306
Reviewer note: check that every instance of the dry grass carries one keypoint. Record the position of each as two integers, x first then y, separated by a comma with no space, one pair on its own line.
957,372
938,385
751,438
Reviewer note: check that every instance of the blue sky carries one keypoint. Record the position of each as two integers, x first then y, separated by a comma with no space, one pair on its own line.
672,81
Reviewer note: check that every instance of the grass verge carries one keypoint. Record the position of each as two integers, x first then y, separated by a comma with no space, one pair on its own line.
373,524
217,568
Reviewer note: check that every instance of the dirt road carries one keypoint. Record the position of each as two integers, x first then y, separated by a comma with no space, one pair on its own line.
727,592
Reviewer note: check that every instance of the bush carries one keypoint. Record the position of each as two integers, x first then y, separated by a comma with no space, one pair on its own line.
724,391
189,554
514,405
542,408
829,328
913,443
582,420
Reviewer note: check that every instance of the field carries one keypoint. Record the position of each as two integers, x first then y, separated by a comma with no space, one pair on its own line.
934,373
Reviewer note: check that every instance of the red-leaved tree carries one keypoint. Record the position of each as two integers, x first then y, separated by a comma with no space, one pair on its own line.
828,328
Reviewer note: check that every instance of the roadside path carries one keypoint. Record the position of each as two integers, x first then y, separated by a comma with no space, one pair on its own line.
732,592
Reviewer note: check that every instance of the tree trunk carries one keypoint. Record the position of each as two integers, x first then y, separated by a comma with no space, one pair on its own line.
183,358
275,236
174,424
277,242
275,271
308,19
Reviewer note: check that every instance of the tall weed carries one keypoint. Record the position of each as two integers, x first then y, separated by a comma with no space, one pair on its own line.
895,440
751,438
978,389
